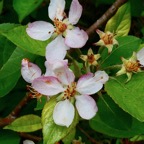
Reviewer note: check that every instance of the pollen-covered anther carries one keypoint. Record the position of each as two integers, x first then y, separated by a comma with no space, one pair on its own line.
132,66
108,38
70,91
60,26
33,93
91,58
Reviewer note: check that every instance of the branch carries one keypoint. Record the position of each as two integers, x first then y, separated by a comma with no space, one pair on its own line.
106,16
13,115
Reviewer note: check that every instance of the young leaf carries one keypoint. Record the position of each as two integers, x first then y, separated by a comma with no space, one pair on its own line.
19,37
25,7
27,123
113,121
51,132
129,96
10,71
127,45
120,22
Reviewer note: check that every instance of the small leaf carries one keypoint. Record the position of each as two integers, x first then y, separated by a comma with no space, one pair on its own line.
113,121
19,37
41,102
27,123
25,7
51,132
10,71
120,22
127,45
1,6
129,96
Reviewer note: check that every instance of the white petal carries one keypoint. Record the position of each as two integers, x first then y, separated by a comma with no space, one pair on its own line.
63,114
76,38
28,142
40,30
29,71
140,56
47,85
87,85
75,12
56,9
56,50
101,76
86,106
64,74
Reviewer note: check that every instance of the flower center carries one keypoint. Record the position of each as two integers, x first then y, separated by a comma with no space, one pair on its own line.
132,66
60,26
91,58
108,39
70,91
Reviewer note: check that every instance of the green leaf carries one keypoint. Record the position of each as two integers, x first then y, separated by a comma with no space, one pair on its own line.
129,96
7,26
27,123
51,132
127,45
9,137
25,7
120,22
19,37
41,103
10,71
6,49
70,137
113,121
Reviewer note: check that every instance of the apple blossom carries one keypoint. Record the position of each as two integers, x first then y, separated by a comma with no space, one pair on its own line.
63,29
106,39
63,83
132,65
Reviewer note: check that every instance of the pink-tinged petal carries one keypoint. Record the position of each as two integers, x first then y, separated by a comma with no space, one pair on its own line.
56,50
40,30
56,9
47,85
86,106
29,71
63,114
28,142
64,74
87,85
101,76
75,12
76,38
140,56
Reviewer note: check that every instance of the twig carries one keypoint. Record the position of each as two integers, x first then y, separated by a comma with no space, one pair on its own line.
13,115
106,16
30,137
88,136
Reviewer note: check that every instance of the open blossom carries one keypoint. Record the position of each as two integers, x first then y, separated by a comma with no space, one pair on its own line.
63,83
106,39
63,29
132,65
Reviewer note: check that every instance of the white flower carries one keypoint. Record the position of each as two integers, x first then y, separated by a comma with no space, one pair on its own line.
66,34
62,82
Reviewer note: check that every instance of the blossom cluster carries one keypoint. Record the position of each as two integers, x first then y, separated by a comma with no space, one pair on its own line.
59,80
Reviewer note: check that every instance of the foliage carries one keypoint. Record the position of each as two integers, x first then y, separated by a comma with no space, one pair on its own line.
111,88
